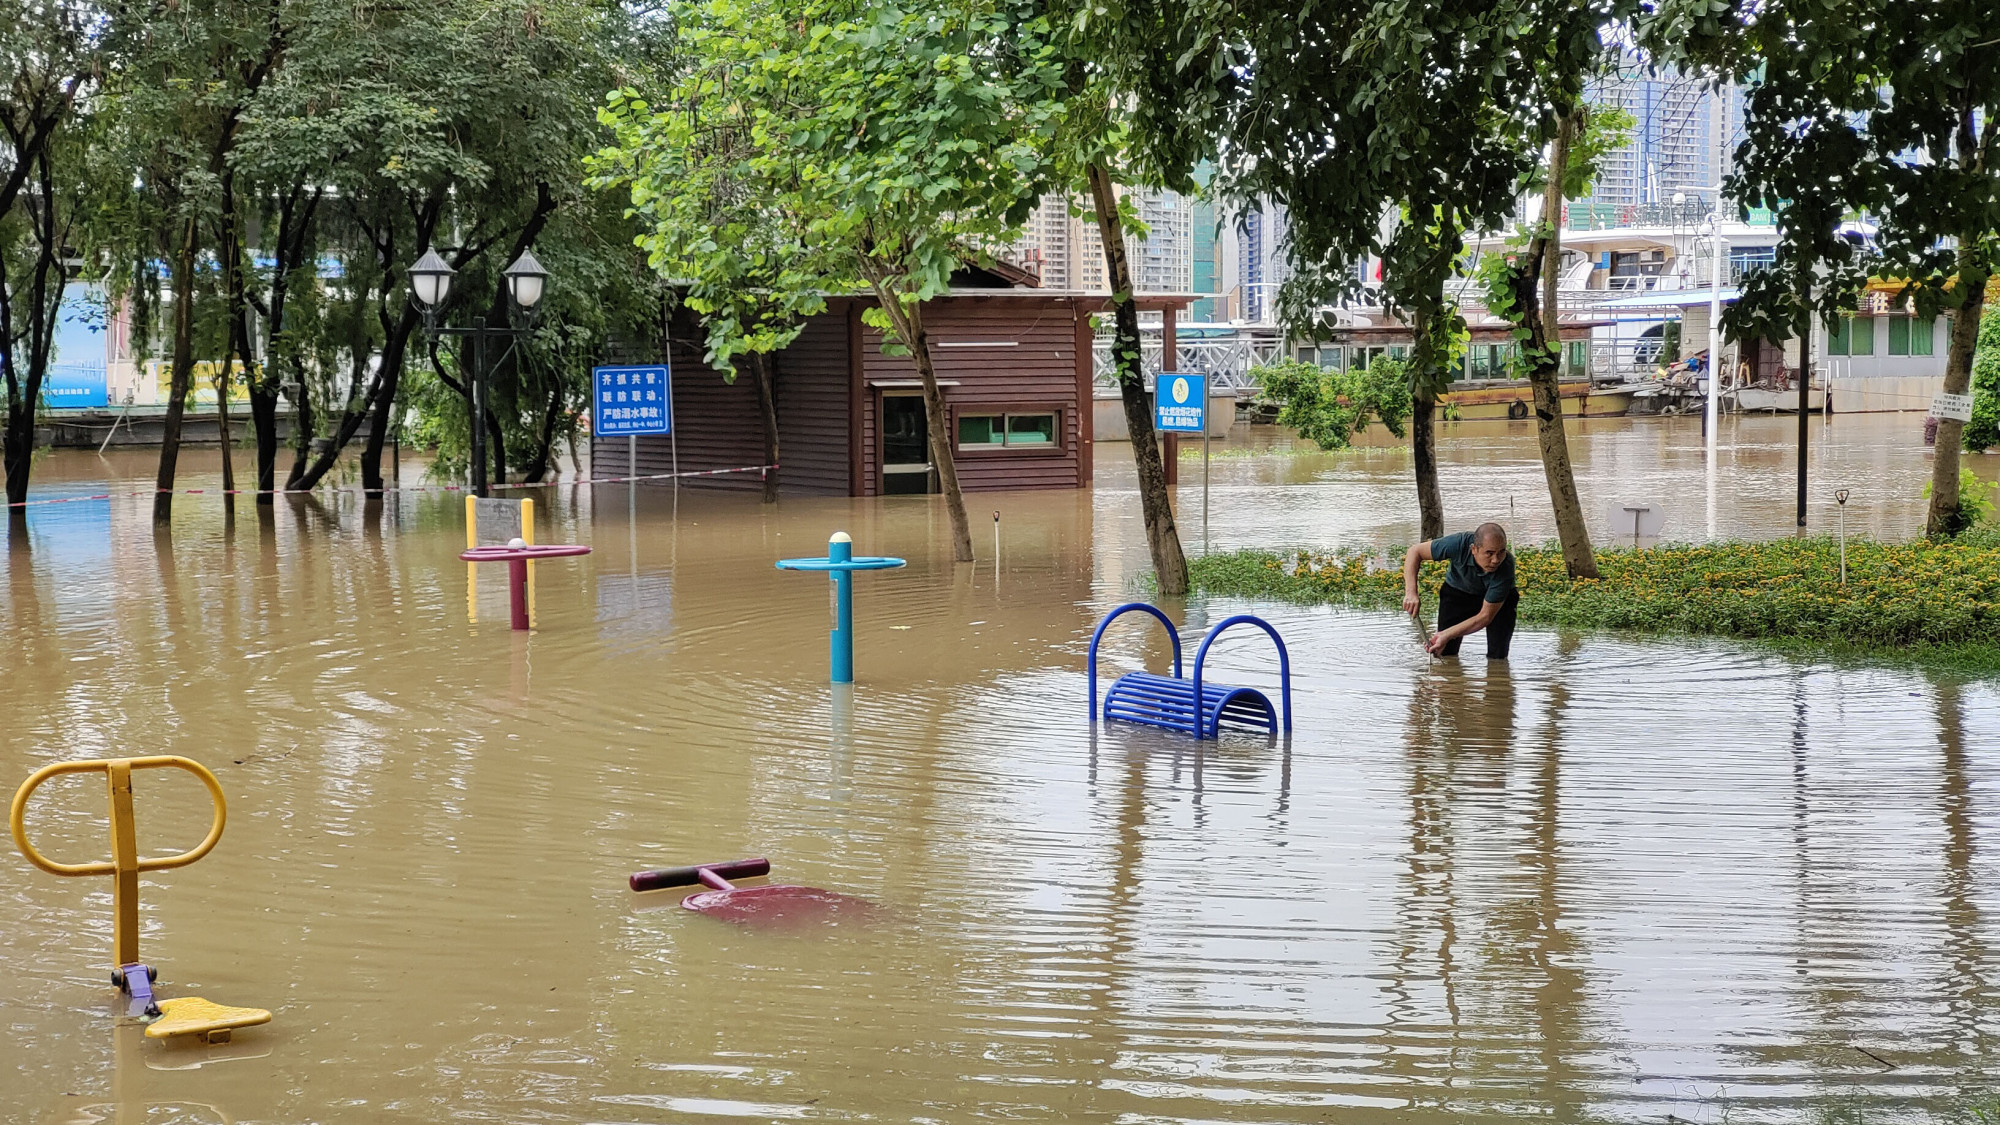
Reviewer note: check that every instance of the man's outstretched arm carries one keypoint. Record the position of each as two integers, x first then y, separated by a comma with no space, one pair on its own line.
1414,558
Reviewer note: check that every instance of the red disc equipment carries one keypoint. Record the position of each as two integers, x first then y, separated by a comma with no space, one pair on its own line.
517,555
773,904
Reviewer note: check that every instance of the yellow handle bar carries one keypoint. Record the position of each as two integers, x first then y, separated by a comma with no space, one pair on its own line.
17,816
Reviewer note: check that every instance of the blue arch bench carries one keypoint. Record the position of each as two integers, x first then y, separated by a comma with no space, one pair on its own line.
1169,701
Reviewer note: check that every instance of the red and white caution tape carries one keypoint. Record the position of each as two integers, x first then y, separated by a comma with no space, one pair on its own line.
758,469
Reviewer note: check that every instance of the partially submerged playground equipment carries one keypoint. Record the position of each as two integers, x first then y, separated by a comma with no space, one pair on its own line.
767,904
841,564
503,530
1190,706
517,555
187,1015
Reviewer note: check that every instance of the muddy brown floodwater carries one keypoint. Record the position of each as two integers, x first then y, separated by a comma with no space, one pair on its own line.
1615,880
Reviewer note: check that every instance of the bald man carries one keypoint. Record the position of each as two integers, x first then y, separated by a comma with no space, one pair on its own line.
1478,591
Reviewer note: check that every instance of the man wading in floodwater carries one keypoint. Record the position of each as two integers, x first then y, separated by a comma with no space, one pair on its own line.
1478,592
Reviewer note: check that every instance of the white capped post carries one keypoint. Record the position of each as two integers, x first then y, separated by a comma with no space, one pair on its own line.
1717,250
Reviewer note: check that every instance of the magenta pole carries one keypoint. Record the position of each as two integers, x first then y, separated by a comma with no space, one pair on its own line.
517,591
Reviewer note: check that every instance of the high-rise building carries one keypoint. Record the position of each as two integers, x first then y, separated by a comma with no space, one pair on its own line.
1208,248
1070,255
1673,150
1047,246
1252,262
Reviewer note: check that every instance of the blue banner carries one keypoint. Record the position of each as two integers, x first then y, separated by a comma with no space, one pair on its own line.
76,371
630,401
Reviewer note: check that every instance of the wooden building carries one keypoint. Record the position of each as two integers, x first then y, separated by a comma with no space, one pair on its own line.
1013,362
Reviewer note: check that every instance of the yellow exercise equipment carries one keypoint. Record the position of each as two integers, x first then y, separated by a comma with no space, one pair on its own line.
183,1016
211,1022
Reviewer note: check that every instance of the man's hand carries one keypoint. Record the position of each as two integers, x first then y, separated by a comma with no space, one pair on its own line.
1413,559
1435,645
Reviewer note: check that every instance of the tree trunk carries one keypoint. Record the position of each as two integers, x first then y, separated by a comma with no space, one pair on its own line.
295,225
1423,456
378,426
44,297
762,364
17,447
1946,517
1162,538
545,453
383,387
303,424
19,451
496,442
222,383
1425,379
1543,353
909,324
263,417
182,374
229,247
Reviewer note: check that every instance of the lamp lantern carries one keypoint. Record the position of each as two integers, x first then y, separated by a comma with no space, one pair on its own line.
430,280
525,280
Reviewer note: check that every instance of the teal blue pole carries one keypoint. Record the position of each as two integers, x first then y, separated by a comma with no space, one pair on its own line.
840,549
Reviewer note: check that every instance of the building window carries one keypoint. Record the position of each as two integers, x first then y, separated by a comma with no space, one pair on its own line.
1489,361
1923,335
1852,335
1031,430
1007,431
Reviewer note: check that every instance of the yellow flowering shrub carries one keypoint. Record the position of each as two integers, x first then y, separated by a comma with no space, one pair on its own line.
1918,593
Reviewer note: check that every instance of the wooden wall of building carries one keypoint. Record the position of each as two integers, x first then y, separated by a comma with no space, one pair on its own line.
1034,369
1023,356
812,408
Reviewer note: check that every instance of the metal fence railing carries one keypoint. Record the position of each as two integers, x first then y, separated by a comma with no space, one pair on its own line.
1226,360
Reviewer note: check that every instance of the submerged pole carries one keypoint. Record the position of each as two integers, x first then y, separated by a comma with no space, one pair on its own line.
1714,332
840,549
1805,403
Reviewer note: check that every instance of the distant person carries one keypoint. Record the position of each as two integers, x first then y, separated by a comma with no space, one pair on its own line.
1478,591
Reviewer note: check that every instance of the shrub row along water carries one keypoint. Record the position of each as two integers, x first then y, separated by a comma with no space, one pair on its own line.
1942,598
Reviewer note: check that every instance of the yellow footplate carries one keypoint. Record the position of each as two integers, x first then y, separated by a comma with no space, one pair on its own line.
211,1022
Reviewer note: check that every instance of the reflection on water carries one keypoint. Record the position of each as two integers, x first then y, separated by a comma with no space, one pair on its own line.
1607,880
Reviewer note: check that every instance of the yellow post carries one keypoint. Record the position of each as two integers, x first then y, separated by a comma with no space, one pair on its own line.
124,865
126,862
528,537
471,569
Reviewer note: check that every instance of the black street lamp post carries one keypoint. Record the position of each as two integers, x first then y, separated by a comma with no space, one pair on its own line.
430,284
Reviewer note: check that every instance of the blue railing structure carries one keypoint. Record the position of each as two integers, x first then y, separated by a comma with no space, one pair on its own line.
1129,607
1191,706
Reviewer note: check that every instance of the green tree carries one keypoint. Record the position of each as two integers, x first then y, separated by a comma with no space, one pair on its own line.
1335,110
735,251
174,110
1892,109
926,143
901,141
1329,407
1522,285
47,52
1104,53
1983,432
463,126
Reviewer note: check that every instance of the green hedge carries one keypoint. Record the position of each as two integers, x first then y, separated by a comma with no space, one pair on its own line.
1923,599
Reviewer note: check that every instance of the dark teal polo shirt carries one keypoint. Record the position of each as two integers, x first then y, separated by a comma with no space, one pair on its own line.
1495,585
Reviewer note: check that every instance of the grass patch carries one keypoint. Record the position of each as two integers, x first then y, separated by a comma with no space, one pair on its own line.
1936,604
